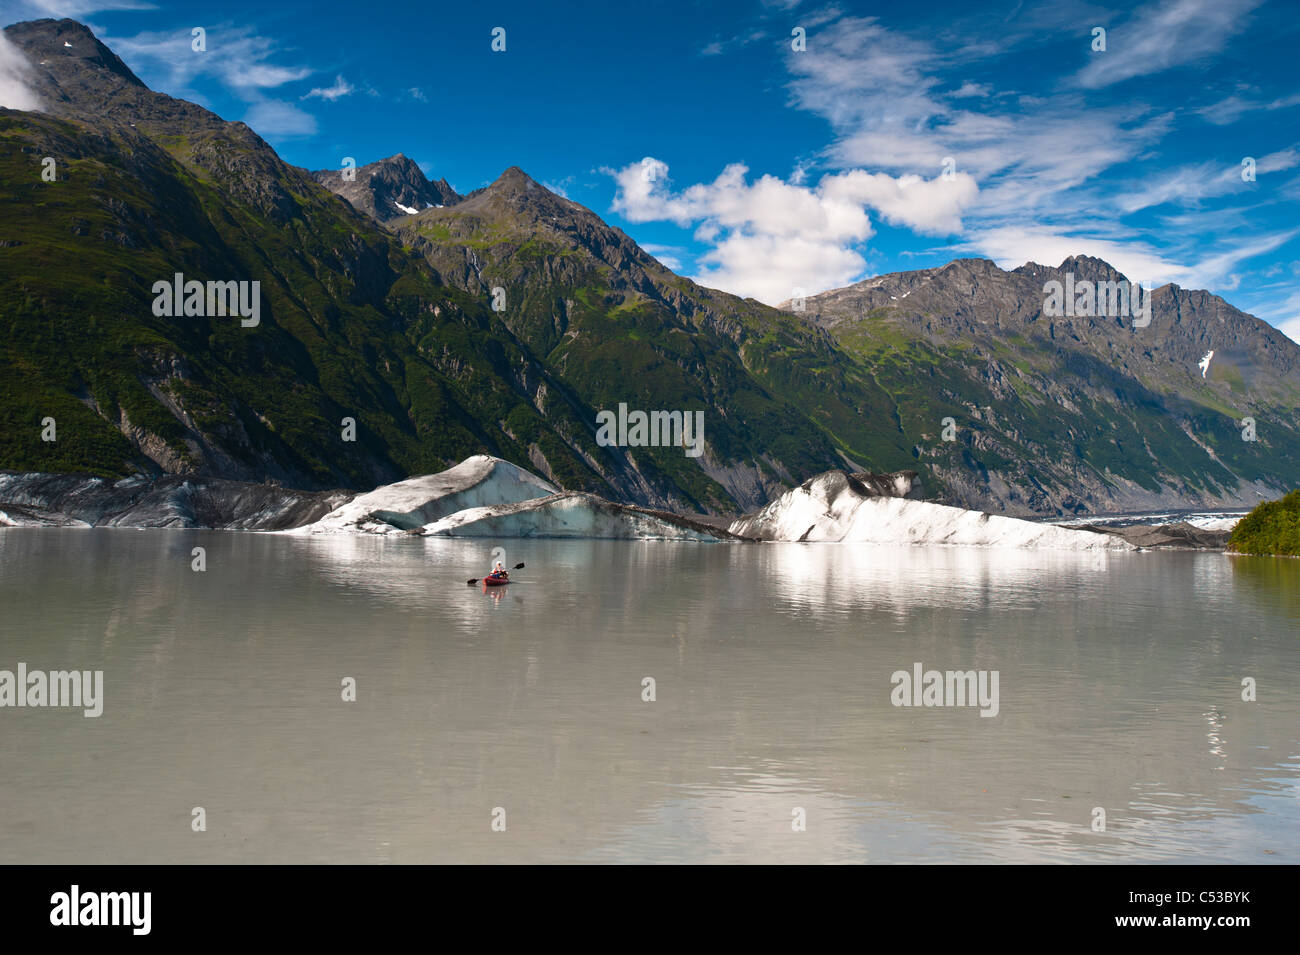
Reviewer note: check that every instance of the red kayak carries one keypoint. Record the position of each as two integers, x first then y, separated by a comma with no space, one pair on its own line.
495,581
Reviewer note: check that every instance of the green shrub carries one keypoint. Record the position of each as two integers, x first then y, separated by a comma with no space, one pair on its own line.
1271,528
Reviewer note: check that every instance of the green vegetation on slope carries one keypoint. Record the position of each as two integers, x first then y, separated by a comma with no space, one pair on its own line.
1271,528
351,326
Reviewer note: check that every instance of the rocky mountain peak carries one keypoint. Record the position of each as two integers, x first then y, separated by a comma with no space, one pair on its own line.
1091,268
520,191
75,76
514,178
388,188
515,211
71,71
65,45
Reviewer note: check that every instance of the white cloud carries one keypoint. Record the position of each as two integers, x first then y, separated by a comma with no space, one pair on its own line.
930,207
1165,34
718,47
239,59
883,93
340,89
1192,183
770,236
275,119
669,255
1183,184
770,268
14,69
1045,164
1291,329
76,9
1283,315
1276,162
236,56
1216,269
1011,247
1232,108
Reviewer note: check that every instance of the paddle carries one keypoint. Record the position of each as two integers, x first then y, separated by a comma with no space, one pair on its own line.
473,580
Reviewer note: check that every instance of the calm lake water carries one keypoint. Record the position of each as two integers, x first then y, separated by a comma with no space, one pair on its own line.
1120,683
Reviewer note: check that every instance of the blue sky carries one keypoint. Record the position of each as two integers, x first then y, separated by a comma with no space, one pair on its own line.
758,168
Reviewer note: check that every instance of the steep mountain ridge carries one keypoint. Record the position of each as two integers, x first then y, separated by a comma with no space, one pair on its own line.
352,326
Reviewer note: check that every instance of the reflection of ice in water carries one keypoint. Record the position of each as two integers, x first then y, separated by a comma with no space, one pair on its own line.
1215,720
954,577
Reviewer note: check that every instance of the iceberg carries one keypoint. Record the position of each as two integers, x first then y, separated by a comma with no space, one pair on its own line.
477,482
571,514
484,496
71,500
837,507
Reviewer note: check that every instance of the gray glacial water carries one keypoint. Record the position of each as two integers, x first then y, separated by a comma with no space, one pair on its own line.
1119,687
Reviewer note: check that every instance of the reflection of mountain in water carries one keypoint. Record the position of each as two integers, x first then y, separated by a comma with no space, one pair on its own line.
1273,582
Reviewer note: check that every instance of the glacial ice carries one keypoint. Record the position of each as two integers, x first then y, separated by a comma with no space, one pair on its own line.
830,508
484,496
72,500
477,482
570,514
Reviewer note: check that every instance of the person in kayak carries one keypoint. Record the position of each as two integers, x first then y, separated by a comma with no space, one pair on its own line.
499,572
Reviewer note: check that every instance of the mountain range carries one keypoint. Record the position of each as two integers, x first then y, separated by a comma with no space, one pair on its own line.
504,321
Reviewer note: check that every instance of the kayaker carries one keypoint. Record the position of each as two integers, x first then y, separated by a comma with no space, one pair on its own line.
499,572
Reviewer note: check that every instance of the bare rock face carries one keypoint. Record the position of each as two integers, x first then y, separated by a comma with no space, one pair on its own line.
1176,536
890,484
388,189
